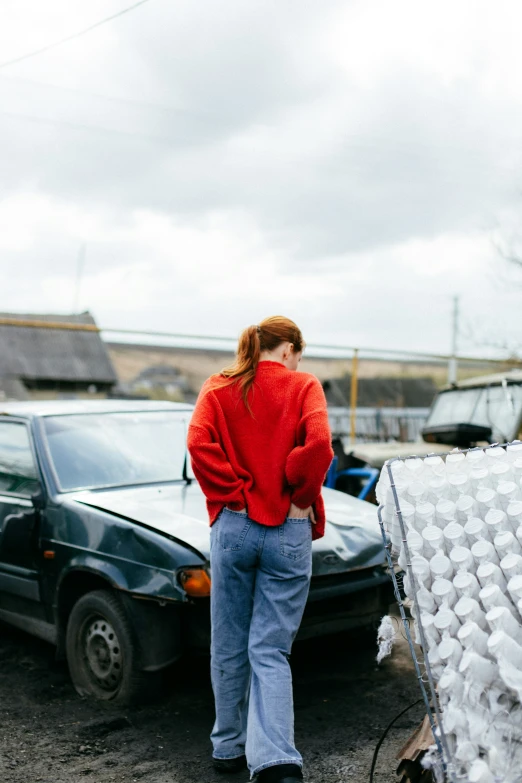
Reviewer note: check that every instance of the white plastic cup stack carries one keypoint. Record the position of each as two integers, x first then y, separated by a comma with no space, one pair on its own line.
495,453
491,574
475,458
500,619
445,511
514,514
505,543
450,652
484,552
501,646
421,569
480,772
472,637
456,462
466,508
446,622
436,488
460,484
451,684
492,596
433,540
508,492
441,567
454,535
477,530
434,465
444,593
466,584
478,670
480,479
415,547
496,521
511,565
487,498
417,492
468,610
426,600
462,559
514,588
431,633
516,467
413,467
424,515
407,513
501,471
514,451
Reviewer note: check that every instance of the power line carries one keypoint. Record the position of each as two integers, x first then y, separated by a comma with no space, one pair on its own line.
73,36
82,126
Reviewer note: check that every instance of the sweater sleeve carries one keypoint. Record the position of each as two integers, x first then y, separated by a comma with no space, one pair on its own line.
308,462
212,469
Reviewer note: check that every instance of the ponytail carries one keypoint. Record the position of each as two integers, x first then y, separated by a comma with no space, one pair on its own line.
266,337
243,371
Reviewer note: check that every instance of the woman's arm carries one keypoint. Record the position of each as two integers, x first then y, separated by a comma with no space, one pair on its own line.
214,472
308,462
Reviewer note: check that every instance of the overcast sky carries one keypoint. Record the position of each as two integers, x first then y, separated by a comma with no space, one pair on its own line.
350,164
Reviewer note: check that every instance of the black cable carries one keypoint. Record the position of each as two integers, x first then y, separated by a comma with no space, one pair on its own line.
383,737
74,35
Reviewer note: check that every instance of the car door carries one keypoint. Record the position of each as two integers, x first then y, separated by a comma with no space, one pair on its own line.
19,582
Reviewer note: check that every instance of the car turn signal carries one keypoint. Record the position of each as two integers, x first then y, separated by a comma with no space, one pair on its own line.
195,582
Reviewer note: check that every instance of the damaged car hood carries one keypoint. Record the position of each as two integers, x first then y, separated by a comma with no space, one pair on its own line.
352,538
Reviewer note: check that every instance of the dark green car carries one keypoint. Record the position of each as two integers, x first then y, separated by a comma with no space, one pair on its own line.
104,542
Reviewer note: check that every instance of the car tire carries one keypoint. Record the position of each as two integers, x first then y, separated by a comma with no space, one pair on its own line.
103,653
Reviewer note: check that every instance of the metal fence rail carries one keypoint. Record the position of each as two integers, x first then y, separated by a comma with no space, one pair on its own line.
380,424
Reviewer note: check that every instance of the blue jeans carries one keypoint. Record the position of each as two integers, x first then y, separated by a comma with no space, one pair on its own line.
260,581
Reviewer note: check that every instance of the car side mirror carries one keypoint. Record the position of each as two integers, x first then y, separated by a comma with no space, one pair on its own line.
38,498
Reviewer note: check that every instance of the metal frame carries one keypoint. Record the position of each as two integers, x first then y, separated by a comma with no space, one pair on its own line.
437,727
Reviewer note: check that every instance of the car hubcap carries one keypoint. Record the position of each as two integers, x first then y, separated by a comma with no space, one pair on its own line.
103,653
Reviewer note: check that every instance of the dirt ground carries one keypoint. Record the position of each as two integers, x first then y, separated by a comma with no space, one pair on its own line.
343,702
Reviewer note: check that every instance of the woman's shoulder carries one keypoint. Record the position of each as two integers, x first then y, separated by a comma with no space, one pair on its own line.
305,381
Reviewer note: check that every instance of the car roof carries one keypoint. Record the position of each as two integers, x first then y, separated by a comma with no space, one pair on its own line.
510,376
37,408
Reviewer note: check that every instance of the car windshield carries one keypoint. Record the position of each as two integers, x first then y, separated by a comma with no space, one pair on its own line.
498,407
92,451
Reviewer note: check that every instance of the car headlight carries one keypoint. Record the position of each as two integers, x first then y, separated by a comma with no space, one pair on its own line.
195,582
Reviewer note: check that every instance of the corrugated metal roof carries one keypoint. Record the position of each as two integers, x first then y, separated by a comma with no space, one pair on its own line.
36,353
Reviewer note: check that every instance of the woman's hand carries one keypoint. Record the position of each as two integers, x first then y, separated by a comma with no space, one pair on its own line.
301,513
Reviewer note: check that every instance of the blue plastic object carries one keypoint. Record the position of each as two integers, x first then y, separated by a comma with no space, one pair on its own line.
372,474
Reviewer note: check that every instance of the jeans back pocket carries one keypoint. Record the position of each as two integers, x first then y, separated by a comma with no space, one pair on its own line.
295,537
233,528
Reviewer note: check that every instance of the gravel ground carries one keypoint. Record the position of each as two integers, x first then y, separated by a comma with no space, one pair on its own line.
343,702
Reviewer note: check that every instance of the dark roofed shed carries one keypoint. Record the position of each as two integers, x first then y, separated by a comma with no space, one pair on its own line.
40,353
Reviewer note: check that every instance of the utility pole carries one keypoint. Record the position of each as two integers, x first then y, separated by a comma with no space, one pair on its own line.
452,364
79,273
353,395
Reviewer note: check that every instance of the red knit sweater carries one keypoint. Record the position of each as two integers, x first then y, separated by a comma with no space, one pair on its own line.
267,459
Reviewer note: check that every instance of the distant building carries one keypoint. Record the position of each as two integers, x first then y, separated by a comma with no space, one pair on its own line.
38,359
160,382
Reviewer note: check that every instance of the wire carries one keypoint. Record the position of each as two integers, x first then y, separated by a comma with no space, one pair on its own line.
83,127
383,736
73,36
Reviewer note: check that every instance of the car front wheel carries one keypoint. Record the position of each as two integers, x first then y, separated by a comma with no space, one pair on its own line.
102,652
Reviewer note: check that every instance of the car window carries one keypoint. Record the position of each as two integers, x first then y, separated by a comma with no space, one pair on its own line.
498,407
91,451
18,475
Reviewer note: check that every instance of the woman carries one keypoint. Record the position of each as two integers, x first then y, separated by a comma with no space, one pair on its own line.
260,445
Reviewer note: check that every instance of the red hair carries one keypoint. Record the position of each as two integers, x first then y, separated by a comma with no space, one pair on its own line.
266,336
